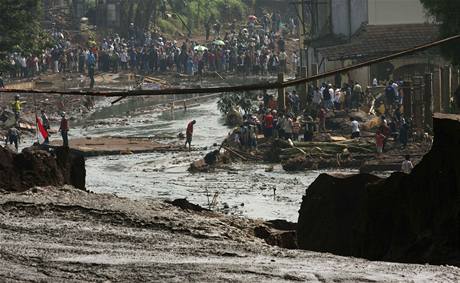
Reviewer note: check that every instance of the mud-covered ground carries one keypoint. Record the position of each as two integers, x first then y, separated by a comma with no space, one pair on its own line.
239,189
66,235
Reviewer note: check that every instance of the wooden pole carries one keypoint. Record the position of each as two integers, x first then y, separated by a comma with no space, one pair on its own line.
281,93
437,90
417,102
407,102
427,101
303,89
446,88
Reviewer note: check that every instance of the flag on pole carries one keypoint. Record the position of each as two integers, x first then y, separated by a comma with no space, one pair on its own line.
42,134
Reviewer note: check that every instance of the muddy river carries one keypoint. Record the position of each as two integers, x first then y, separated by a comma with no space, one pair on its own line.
246,189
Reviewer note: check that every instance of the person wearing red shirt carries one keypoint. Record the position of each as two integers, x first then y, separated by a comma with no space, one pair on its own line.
379,141
189,134
268,125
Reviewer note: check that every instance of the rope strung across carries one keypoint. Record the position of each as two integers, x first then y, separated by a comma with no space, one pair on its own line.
239,88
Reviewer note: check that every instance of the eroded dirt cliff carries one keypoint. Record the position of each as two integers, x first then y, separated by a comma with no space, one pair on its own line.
404,218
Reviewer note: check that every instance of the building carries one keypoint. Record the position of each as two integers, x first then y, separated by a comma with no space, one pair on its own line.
345,32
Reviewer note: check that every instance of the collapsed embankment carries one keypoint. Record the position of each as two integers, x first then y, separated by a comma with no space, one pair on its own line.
404,218
36,167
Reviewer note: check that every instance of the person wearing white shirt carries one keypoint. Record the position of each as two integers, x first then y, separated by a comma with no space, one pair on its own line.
407,165
355,132
375,82
317,97
337,95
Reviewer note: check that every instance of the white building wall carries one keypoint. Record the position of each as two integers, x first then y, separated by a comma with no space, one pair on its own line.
386,12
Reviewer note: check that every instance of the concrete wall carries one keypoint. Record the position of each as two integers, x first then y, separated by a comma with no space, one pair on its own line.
322,20
385,12
342,23
360,14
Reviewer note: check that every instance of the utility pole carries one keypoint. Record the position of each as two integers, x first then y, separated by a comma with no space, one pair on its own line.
302,37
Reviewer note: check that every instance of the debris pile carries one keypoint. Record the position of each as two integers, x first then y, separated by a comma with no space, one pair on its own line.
405,218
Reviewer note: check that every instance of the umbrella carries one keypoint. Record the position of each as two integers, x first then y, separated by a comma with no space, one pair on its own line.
252,18
219,42
200,48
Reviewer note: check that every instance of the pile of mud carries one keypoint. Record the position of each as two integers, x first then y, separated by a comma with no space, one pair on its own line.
36,167
405,218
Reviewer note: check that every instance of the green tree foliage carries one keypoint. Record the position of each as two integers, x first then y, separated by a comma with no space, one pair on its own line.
216,10
446,12
20,29
194,12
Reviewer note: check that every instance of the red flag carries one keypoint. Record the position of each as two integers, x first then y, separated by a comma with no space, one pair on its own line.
42,134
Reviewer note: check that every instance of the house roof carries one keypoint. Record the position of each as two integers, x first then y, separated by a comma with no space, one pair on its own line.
380,40
328,40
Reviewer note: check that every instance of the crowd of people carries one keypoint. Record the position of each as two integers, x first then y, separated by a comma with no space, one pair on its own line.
296,123
258,48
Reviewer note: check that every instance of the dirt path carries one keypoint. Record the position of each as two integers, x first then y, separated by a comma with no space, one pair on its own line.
64,235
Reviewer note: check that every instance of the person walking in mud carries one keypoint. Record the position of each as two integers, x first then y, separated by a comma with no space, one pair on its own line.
189,135
13,137
64,129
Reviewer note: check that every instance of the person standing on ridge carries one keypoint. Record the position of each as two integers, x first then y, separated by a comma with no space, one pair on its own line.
13,137
64,129
189,134
407,165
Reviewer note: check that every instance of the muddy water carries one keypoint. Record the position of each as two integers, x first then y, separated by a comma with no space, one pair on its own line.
244,190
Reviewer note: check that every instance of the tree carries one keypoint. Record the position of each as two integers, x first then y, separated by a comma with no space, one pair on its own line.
446,13
20,29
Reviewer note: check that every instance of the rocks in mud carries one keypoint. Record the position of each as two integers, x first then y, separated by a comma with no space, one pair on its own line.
186,205
404,218
35,167
199,166
279,233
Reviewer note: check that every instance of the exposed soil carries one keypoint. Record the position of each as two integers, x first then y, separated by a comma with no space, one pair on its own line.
67,235
404,218
36,167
